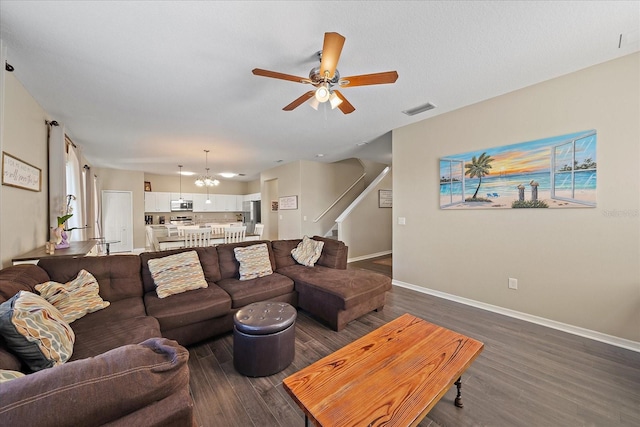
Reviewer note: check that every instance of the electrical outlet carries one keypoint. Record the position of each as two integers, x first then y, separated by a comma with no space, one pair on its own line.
402,220
513,283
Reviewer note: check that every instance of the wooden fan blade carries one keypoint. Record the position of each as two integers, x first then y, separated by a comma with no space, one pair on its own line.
331,50
345,106
281,76
301,100
369,79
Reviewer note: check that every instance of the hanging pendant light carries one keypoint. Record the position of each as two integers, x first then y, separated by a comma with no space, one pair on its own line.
206,180
180,199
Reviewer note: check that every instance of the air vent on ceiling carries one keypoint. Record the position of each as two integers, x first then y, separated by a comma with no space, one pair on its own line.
419,109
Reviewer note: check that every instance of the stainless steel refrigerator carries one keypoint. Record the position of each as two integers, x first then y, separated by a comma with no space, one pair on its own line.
251,214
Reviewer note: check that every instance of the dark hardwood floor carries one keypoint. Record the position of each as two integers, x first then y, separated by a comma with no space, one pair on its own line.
528,375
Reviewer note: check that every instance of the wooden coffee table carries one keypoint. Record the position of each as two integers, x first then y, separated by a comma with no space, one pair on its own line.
392,376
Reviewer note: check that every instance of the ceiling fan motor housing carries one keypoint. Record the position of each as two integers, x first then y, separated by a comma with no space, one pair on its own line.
316,78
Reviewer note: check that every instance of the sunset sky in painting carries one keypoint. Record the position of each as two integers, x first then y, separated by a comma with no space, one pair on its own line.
524,157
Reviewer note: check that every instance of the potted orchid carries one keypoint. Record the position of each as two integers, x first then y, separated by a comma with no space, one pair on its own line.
60,232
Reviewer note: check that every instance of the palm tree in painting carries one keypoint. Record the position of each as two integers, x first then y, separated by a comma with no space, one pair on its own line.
478,168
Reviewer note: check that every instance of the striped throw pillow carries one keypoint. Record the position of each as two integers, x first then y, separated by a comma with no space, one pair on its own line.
254,261
177,273
36,331
308,251
76,298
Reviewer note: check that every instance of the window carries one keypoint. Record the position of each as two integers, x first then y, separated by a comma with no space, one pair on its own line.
573,170
451,182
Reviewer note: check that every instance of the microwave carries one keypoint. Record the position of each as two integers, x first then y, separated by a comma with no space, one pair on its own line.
184,205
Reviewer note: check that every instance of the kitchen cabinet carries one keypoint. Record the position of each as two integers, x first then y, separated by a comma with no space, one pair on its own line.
227,203
200,203
185,196
157,201
252,197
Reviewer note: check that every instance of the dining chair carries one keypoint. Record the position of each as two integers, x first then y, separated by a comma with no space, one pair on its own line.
235,234
216,228
258,229
196,237
172,230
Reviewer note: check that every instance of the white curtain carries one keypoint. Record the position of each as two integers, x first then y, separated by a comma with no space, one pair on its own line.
97,210
76,188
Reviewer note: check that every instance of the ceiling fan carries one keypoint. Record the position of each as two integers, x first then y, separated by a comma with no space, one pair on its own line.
326,76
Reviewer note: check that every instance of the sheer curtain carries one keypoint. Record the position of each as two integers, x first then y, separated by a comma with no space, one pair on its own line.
76,188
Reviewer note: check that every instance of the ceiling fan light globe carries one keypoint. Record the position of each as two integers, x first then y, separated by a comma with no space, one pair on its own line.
322,94
334,100
314,103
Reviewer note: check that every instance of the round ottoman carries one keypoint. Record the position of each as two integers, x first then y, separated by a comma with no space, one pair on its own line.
263,338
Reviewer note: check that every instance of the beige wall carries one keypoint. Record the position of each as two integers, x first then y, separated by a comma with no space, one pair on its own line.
23,213
576,266
368,229
122,180
286,179
171,183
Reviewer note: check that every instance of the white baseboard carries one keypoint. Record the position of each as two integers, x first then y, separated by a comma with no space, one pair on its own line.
575,330
363,257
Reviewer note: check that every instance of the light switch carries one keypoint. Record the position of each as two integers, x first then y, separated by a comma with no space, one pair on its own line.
304,218
402,220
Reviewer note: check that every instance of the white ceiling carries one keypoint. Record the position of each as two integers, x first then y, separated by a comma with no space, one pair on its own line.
144,85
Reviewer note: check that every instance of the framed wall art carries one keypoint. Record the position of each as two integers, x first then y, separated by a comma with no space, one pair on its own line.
385,198
288,203
20,174
147,186
554,172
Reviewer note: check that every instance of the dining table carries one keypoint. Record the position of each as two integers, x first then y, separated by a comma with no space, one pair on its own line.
177,242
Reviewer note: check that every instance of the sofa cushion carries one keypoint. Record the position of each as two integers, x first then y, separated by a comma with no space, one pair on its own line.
341,288
177,273
117,275
100,390
254,261
334,253
91,342
76,298
36,331
208,260
22,277
189,307
282,252
307,252
229,265
245,292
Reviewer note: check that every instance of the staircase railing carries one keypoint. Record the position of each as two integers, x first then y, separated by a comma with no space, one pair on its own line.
341,196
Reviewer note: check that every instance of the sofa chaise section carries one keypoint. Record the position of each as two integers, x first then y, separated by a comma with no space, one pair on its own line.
328,290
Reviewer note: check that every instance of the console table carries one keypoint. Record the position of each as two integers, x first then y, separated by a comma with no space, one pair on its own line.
81,248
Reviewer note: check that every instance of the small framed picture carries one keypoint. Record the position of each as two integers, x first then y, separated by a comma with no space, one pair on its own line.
385,198
274,206
147,186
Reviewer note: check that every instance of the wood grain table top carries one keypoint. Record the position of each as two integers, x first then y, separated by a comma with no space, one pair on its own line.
392,376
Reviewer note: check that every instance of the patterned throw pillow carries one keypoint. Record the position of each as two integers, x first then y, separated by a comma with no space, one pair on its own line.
6,375
254,261
308,251
76,298
177,273
36,331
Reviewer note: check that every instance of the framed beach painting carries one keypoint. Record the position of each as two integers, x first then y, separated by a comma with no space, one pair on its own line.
555,172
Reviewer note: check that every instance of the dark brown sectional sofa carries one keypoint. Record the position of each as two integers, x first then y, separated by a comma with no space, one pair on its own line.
139,338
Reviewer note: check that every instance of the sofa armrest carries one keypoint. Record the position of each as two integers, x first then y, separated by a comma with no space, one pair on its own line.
100,390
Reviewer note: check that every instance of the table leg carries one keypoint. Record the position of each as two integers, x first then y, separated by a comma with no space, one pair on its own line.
458,401
306,421
107,245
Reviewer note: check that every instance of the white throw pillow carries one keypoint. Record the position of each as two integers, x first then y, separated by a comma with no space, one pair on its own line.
254,261
308,251
177,273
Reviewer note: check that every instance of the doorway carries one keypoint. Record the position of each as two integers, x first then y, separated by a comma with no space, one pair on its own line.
117,219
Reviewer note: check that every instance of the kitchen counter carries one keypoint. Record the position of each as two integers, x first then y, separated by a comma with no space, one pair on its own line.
81,248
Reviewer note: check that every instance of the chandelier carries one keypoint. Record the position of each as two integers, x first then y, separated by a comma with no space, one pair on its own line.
206,180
